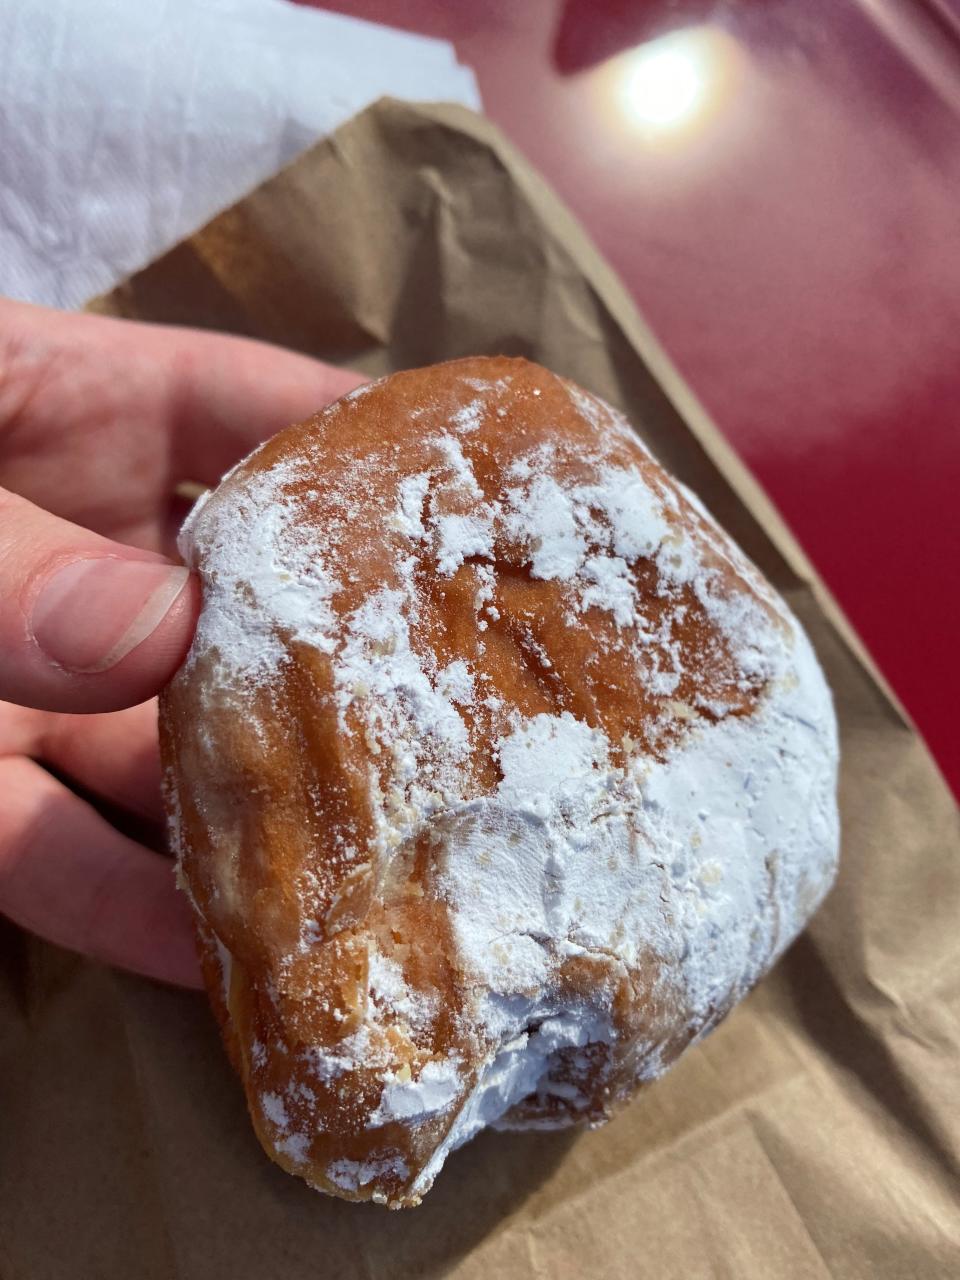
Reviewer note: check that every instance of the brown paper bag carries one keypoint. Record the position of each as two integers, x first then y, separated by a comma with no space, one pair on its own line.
814,1134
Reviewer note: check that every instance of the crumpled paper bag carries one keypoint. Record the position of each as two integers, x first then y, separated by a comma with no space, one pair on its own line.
126,124
814,1134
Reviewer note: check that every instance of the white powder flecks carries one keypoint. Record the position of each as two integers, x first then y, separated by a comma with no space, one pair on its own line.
634,511
295,1146
548,760
611,587
301,1091
423,509
330,1063
274,1110
408,518
268,576
459,469
592,408
458,534
469,417
461,536
545,514
456,682
363,390
605,418
353,1175
747,810
437,1086
586,533
390,989
378,666
590,534
520,469
486,590
488,386
495,869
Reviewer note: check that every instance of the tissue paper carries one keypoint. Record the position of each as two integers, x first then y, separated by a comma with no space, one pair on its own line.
125,126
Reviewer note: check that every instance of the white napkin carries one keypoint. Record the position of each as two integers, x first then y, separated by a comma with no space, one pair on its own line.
126,124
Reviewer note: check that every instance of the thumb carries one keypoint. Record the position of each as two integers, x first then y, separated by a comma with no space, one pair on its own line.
86,624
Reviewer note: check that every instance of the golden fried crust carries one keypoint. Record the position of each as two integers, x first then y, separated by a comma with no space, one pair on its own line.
322,803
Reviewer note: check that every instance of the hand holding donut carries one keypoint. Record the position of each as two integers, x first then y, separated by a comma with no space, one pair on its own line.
99,422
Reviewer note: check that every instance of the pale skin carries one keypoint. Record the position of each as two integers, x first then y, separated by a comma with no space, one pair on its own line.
100,420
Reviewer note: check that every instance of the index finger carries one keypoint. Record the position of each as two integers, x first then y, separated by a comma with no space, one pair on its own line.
213,397
229,394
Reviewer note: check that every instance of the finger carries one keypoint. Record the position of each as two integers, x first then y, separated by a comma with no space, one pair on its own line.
68,876
115,756
215,397
86,624
229,394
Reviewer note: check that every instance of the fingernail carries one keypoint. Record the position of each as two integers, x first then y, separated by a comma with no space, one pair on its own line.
91,613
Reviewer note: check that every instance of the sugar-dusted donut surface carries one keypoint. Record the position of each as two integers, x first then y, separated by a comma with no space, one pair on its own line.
497,774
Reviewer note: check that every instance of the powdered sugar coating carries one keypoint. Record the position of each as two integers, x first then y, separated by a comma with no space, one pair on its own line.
577,723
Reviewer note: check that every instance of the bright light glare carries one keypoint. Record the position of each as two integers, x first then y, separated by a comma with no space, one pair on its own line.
675,82
666,86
